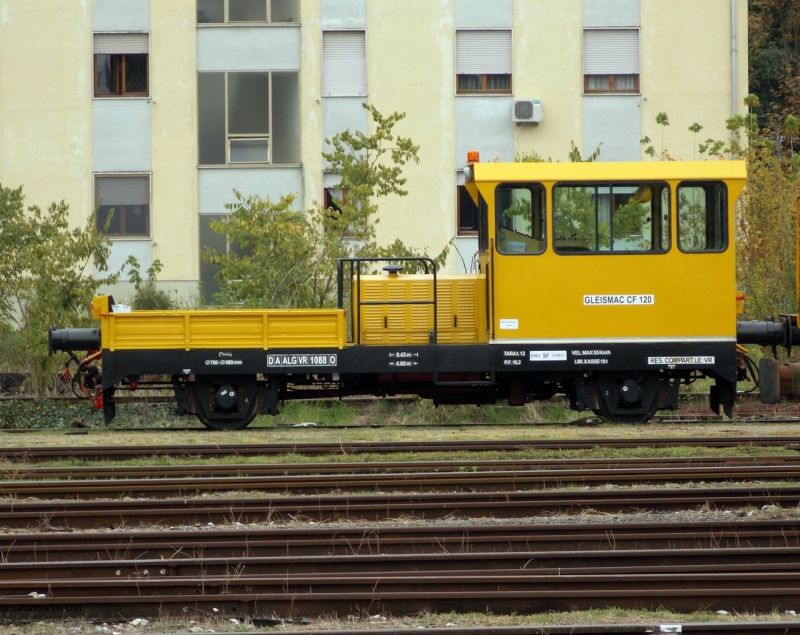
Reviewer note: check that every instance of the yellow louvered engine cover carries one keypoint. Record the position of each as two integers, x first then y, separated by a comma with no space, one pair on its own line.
386,315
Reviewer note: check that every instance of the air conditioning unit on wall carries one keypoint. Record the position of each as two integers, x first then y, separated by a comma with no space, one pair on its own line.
527,111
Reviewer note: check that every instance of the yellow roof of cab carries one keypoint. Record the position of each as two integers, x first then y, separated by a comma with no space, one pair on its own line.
608,171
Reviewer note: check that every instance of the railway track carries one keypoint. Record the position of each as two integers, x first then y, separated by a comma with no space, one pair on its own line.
391,467
316,484
222,450
50,548
739,580
320,570
114,514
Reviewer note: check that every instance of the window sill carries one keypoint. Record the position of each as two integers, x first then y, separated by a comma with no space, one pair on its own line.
214,25
248,166
590,93
467,234
122,97
484,93
138,239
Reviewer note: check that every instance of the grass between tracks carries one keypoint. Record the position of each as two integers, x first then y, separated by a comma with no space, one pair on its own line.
377,622
60,414
44,414
455,457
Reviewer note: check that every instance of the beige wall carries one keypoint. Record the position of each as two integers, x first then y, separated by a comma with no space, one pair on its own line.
311,103
173,88
547,66
410,68
45,102
686,70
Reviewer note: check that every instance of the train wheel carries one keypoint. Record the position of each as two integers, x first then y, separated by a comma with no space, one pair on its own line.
628,397
226,402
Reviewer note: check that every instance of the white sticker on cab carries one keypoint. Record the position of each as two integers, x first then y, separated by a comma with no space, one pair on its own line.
509,325
548,356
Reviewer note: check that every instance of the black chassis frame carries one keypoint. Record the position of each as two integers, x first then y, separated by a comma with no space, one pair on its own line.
494,361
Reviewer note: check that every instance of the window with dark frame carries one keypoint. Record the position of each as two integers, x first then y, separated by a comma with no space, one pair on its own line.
468,213
626,217
248,117
611,83
702,216
123,205
335,198
611,61
484,83
483,226
121,64
247,11
483,61
520,212
209,239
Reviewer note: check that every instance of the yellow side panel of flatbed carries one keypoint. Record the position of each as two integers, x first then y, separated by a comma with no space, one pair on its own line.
188,330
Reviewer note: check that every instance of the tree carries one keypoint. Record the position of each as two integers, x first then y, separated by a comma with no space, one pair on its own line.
792,127
46,278
662,120
766,235
766,219
775,55
695,128
280,257
148,296
270,262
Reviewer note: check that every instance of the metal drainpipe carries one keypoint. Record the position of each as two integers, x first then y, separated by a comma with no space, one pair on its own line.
734,88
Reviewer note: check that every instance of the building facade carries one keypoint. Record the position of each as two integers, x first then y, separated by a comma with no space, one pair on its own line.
160,109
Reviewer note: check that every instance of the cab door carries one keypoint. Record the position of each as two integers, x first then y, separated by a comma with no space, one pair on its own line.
518,246
486,261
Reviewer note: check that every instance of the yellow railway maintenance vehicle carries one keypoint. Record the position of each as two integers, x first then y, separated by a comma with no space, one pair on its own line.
612,283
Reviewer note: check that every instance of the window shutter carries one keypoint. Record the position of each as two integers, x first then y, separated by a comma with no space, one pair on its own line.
344,64
122,190
331,179
483,52
611,52
120,43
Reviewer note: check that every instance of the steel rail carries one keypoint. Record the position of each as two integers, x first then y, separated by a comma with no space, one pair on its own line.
695,628
387,467
80,514
313,484
689,562
205,451
315,595
393,540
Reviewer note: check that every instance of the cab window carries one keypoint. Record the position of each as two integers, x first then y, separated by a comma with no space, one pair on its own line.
611,218
520,211
702,217
483,224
